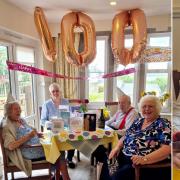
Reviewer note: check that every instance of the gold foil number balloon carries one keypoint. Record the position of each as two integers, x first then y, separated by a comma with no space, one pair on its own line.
137,20
47,42
69,22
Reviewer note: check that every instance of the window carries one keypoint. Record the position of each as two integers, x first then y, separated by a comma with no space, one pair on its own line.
154,76
160,41
126,82
4,78
21,85
158,73
157,77
25,80
96,69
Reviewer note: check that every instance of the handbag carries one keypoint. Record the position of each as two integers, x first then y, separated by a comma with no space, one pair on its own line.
113,167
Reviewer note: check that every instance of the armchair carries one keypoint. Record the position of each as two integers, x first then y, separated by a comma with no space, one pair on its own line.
163,164
9,167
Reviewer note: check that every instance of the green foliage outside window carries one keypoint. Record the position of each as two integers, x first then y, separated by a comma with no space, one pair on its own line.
161,82
96,97
126,79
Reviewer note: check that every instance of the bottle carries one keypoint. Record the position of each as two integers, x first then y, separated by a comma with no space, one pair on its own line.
101,120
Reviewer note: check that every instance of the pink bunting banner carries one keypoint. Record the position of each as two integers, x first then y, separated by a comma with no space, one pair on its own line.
29,69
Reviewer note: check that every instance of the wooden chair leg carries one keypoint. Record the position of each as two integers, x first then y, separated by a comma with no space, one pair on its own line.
57,175
50,175
137,173
6,176
78,156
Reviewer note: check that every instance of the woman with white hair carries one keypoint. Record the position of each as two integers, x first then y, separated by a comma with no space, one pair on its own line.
51,108
147,141
16,133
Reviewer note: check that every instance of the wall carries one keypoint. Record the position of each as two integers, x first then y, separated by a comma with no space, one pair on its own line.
19,21
16,19
17,26
161,23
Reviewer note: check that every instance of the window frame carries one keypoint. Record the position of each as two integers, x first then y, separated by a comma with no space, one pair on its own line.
33,82
168,70
139,76
136,79
141,71
159,34
93,105
12,41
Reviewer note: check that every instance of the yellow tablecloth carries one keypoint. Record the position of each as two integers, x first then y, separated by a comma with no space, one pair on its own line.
176,174
85,143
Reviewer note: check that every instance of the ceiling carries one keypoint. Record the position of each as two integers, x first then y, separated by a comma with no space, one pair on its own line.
97,9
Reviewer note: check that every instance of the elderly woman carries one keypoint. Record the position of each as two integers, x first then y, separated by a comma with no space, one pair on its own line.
147,141
16,133
51,108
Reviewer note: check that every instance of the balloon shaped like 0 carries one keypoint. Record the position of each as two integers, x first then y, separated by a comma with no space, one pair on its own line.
68,23
137,19
47,42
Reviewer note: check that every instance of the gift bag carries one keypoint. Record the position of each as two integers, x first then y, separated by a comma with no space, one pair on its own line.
113,167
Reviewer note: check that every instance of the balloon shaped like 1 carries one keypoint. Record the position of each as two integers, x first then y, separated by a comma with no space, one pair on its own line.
137,20
47,42
68,23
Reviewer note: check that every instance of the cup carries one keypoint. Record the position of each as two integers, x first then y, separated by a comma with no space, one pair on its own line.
57,125
48,125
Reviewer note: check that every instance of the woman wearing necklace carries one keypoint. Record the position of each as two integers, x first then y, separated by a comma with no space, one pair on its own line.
147,141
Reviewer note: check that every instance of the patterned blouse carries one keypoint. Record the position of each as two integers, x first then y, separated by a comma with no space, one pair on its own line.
143,142
29,153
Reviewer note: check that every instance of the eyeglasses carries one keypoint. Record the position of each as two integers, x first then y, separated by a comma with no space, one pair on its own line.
53,91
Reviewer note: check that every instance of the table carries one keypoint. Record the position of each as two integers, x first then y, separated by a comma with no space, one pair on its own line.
176,149
176,173
84,141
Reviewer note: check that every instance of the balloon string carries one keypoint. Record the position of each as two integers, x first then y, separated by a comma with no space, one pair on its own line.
29,69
